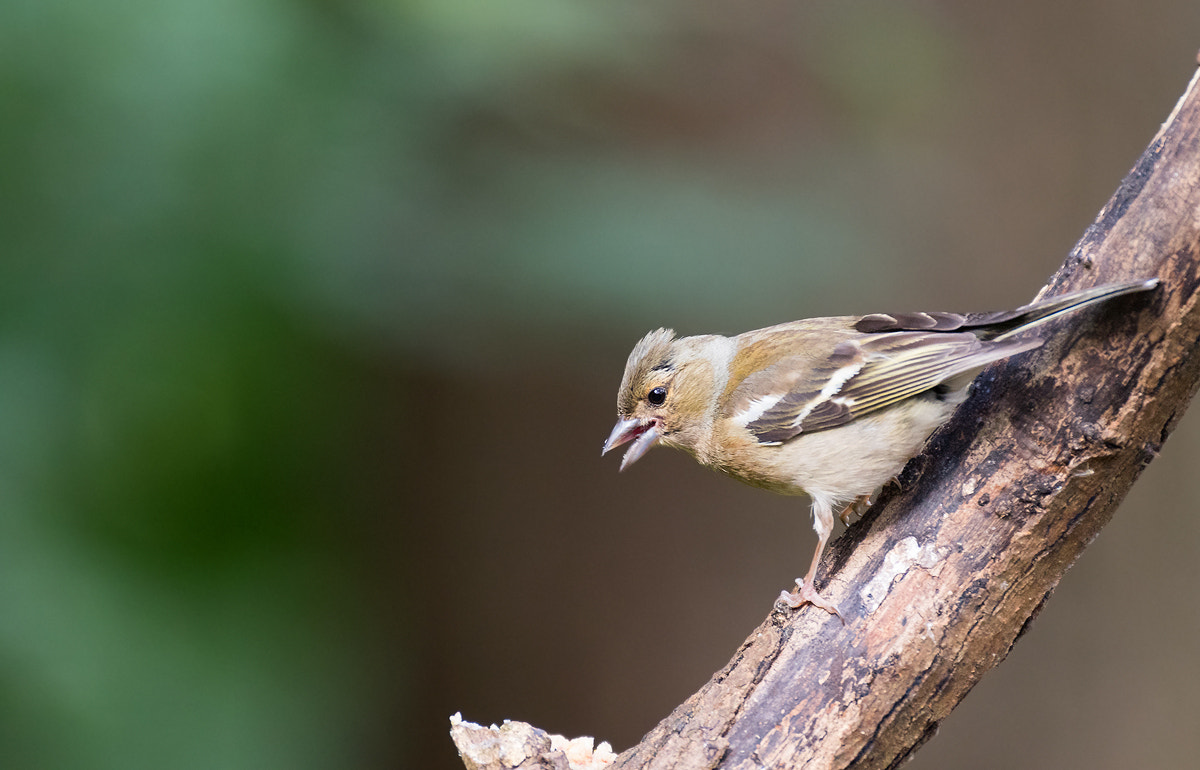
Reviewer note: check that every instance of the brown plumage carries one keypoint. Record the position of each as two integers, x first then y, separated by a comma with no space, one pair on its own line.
829,407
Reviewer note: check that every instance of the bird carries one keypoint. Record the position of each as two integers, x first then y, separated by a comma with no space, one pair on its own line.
828,407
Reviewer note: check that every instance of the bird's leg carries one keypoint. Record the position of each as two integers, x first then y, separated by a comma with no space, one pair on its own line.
859,505
805,592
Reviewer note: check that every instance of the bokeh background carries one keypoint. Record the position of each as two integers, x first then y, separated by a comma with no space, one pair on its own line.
312,316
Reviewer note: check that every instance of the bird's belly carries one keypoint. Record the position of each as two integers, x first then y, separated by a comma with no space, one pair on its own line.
850,460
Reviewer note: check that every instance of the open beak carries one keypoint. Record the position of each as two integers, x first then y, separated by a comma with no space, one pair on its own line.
643,433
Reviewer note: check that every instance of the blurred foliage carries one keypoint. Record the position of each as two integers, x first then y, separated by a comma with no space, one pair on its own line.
218,217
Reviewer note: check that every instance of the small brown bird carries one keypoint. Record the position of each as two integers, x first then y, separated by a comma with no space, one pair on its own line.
828,407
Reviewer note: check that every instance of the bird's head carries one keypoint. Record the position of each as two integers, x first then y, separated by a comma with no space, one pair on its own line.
667,395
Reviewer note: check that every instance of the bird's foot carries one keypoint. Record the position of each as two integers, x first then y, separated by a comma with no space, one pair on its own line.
803,594
856,508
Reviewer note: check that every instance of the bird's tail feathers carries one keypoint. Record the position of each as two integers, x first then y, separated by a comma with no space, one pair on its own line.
1006,324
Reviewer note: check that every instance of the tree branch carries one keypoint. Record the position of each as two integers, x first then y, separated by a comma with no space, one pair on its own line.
940,579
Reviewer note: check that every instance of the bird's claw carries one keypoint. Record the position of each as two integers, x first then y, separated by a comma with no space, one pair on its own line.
856,508
805,594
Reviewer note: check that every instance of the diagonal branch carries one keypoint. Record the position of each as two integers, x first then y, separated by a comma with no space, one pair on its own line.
940,579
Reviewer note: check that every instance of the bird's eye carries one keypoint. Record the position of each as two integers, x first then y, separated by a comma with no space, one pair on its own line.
657,397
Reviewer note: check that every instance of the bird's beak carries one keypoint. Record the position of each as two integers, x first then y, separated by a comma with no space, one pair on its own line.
643,433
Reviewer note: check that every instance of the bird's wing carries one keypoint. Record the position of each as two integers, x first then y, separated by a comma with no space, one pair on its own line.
860,374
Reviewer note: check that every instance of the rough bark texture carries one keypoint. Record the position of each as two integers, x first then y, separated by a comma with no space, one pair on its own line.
940,579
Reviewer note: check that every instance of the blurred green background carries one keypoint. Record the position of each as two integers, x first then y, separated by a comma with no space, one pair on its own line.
312,319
